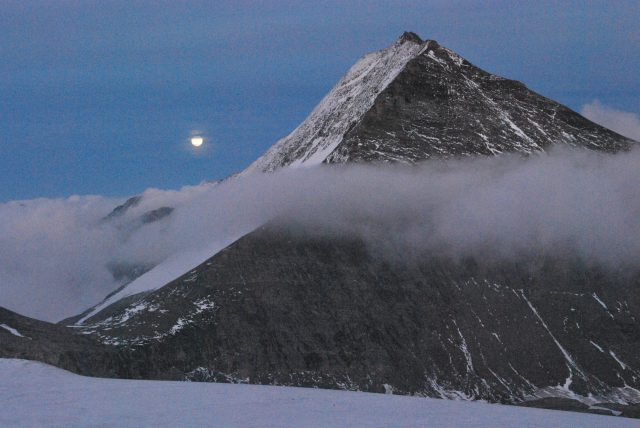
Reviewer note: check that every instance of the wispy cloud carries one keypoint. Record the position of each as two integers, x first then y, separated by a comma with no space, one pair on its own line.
623,122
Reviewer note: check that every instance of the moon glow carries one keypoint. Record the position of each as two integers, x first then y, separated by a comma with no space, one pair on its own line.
197,141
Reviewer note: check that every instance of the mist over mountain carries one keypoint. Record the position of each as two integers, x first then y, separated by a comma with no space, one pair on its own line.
413,101
56,253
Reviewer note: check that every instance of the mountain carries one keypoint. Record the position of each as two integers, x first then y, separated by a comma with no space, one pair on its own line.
415,100
24,337
409,102
281,308
307,309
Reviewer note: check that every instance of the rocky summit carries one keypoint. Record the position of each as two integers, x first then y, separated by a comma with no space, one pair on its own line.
289,308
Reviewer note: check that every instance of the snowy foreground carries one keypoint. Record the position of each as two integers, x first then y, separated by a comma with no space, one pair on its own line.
35,394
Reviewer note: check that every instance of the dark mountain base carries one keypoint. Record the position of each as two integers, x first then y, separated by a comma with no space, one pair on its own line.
279,308
59,346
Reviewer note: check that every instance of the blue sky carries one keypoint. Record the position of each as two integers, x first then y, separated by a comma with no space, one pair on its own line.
101,97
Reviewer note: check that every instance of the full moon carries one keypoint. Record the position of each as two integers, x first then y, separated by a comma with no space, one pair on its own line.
196,141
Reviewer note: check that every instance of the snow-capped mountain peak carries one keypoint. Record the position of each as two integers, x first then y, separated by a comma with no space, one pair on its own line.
415,100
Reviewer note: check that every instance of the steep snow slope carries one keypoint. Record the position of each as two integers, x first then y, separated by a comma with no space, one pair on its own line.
158,276
312,141
34,394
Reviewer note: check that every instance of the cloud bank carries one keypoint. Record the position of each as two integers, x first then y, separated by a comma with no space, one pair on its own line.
624,123
55,254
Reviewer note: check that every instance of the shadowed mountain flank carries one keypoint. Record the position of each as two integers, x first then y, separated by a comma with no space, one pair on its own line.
283,308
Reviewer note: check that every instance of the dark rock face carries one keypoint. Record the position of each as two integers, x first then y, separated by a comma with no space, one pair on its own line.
440,105
286,309
57,345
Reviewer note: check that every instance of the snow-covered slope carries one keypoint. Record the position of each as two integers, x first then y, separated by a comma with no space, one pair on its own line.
159,275
34,394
